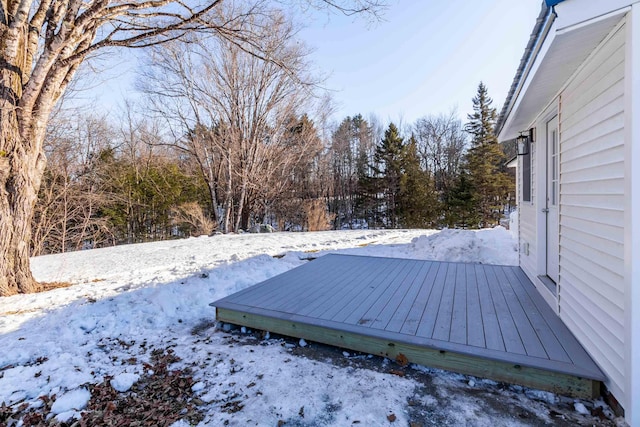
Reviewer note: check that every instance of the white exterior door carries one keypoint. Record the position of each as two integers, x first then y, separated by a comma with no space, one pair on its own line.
553,199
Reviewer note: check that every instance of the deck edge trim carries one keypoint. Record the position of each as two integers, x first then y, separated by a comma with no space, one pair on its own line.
494,355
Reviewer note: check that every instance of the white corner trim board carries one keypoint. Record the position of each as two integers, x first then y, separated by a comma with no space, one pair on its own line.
632,216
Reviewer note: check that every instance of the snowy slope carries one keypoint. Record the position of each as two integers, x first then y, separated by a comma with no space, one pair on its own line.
128,300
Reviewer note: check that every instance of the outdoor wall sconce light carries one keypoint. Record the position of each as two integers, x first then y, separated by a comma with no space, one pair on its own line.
523,140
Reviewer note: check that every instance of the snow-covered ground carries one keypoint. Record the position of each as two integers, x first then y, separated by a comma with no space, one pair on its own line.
128,301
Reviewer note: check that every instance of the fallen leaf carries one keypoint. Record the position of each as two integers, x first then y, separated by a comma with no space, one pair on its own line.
402,360
391,417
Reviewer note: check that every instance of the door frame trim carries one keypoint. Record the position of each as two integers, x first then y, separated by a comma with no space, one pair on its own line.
540,197
549,249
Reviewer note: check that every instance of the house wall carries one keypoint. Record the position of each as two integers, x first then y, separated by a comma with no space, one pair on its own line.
632,216
532,222
592,198
527,219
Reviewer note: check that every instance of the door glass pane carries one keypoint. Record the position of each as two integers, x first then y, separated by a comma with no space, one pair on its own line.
554,168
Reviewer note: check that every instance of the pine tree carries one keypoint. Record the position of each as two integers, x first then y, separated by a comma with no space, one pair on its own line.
366,200
460,208
485,160
418,201
388,168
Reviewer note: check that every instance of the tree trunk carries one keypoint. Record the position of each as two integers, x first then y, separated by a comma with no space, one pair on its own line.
246,215
212,182
20,177
243,195
22,163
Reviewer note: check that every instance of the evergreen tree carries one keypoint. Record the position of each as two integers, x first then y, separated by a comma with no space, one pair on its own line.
366,201
484,162
143,195
460,210
418,204
388,159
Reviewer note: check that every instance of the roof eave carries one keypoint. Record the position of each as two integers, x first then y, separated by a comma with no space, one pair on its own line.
540,30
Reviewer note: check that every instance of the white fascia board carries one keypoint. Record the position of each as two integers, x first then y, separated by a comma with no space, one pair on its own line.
573,12
632,217
555,33
506,132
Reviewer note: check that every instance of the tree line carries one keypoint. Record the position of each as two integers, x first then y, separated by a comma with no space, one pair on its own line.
437,172
233,134
43,44
108,184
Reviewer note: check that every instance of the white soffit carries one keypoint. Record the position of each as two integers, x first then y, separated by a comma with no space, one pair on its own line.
567,51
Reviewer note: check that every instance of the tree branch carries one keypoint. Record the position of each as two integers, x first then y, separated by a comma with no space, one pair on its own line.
18,13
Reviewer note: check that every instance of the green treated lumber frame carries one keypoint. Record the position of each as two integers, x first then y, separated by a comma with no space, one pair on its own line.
564,384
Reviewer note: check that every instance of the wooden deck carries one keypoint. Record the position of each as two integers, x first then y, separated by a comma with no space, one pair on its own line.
483,320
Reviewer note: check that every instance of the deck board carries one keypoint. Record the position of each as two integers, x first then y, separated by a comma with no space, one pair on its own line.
510,335
530,340
316,296
414,317
475,322
332,293
568,341
442,327
544,332
459,312
430,312
480,319
387,304
402,312
264,293
491,326
353,313
314,300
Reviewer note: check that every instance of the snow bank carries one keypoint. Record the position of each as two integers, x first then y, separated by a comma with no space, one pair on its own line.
489,246
129,300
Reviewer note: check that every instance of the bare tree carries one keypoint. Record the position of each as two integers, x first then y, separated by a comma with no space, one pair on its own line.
441,143
42,44
231,110
297,182
352,148
71,195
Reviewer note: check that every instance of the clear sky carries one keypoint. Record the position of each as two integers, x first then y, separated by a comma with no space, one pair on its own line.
425,57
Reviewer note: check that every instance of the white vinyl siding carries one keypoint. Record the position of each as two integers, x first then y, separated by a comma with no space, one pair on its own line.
592,201
525,184
527,218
